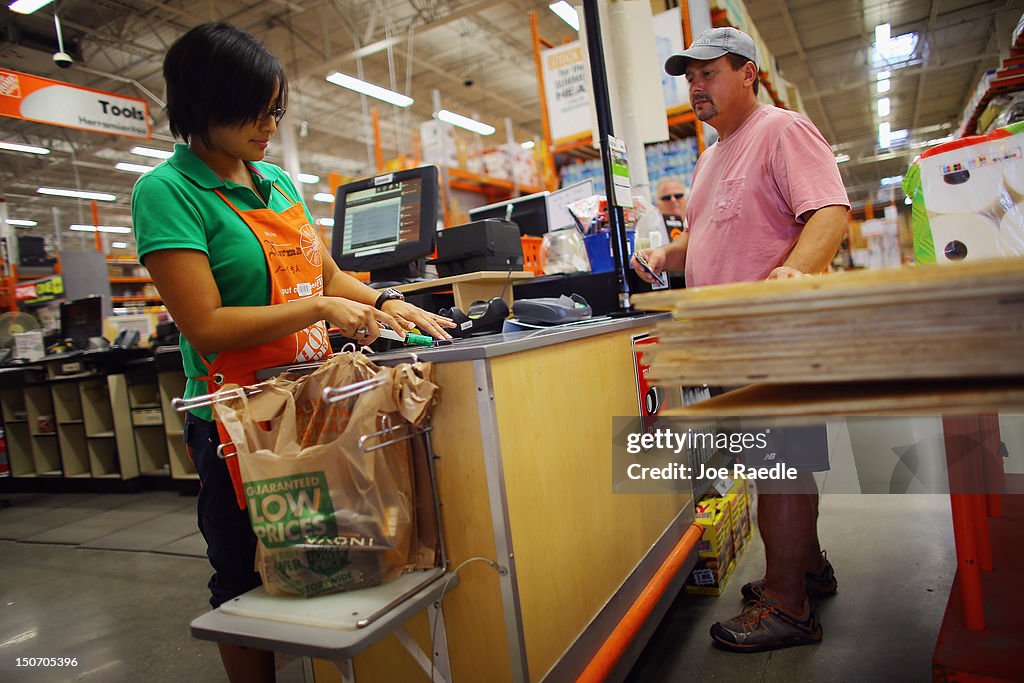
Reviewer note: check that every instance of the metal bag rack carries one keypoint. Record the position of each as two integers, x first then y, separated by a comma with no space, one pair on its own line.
340,626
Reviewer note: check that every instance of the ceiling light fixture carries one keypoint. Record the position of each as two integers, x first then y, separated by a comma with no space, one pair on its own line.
309,178
22,223
16,147
529,144
882,36
465,122
842,158
326,222
121,229
360,86
27,6
325,197
77,194
566,13
891,180
119,245
152,153
883,86
134,168
884,106
883,75
884,132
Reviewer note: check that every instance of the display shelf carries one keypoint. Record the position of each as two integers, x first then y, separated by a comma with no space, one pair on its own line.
67,403
46,453
74,451
12,404
96,412
128,299
130,280
103,460
151,447
1009,78
19,450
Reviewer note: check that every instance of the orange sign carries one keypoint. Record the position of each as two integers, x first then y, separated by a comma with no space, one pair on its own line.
33,98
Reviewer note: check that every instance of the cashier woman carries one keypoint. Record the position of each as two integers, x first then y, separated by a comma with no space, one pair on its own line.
230,247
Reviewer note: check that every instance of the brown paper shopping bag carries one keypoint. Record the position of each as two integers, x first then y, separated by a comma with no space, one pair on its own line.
330,516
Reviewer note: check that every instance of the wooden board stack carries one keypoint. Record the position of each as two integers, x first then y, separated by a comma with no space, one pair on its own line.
950,321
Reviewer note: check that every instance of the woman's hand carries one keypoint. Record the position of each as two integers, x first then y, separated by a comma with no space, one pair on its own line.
409,316
355,320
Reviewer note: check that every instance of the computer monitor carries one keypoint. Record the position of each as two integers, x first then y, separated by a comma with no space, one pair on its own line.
386,224
530,213
81,320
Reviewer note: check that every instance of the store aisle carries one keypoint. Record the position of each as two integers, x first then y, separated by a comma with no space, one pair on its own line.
894,559
125,615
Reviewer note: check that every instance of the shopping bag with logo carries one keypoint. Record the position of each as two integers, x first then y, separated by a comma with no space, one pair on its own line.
331,513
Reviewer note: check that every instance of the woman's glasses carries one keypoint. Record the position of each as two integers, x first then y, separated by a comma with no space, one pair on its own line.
276,112
669,197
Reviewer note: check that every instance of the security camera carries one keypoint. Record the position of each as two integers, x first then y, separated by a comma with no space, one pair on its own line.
62,59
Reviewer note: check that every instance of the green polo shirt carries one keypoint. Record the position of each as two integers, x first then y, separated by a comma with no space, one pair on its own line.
174,206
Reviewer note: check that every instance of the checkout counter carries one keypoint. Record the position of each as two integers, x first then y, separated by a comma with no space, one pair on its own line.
522,437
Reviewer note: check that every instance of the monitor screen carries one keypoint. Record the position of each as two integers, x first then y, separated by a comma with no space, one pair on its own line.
81,319
530,213
386,224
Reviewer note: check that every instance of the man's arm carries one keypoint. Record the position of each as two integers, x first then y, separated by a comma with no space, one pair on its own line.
818,243
672,256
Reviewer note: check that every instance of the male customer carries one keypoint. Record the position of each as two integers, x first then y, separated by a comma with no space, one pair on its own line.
671,197
767,202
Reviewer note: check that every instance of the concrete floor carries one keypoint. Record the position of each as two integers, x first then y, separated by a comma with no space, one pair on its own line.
125,615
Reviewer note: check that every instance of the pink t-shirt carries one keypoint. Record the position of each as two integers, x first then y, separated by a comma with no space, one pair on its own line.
748,193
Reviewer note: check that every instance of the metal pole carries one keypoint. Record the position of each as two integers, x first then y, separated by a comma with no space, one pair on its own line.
602,104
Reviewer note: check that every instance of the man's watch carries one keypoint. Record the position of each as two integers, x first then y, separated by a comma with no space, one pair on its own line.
388,295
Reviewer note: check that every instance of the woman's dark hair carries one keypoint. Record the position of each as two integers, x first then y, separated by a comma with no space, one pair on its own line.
738,62
217,73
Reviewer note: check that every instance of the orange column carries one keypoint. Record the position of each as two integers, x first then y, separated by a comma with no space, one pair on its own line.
378,152
96,224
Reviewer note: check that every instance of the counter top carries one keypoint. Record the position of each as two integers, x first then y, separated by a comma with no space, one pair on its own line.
494,345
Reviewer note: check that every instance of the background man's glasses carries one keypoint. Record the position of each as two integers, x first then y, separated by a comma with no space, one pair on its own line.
668,197
276,112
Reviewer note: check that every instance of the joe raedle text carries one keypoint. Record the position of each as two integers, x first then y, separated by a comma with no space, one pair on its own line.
778,471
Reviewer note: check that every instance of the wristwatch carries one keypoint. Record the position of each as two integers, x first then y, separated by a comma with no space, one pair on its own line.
388,295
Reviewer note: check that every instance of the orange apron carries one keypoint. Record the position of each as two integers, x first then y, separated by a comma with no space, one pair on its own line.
294,263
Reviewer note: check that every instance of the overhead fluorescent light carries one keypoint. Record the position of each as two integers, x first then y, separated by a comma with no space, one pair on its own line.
360,86
134,168
566,13
891,180
882,36
883,75
529,144
77,194
121,229
152,153
883,86
326,222
465,122
27,6
884,132
21,223
16,147
898,135
842,158
309,178
119,245
325,197
884,106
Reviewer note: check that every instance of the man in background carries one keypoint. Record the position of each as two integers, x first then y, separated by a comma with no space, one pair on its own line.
671,197
767,202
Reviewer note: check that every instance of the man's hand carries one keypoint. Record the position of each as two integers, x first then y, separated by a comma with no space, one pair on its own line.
785,273
669,257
